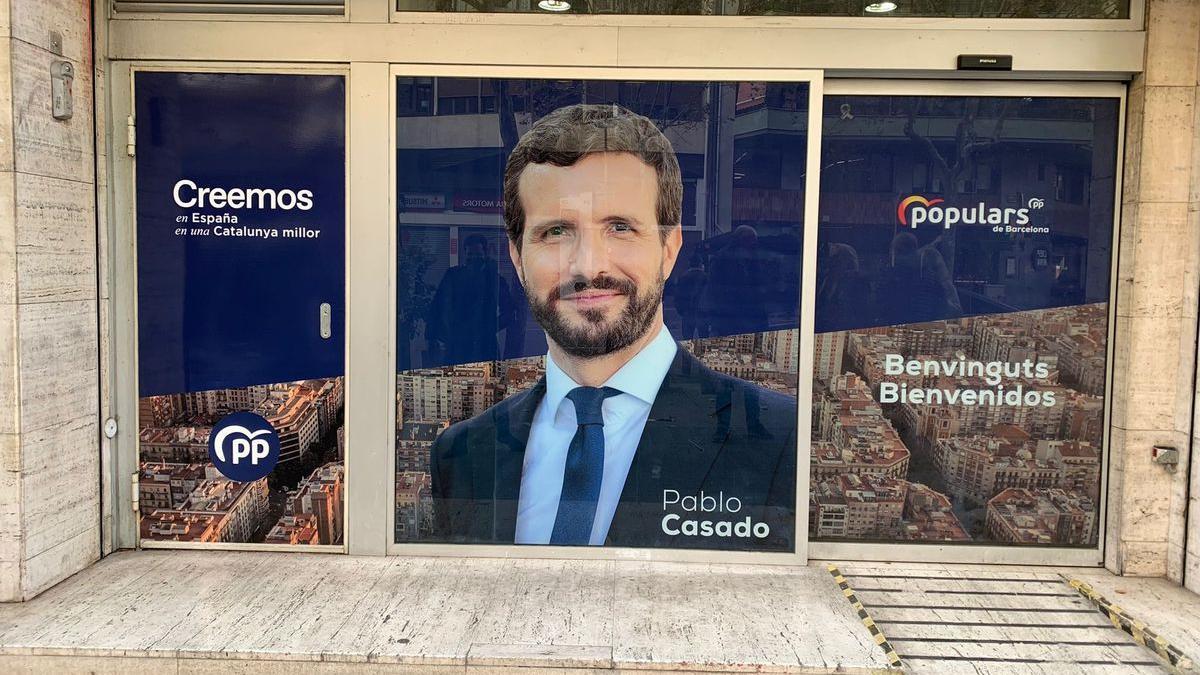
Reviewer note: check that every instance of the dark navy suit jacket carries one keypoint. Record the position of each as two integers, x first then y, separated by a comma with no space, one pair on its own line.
707,432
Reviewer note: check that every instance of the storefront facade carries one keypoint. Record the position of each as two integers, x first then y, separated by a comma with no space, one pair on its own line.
893,291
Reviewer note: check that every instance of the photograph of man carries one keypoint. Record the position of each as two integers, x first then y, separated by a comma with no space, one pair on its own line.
628,440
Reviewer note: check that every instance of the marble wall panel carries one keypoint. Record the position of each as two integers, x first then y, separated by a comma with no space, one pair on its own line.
1126,258
1116,485
1191,571
32,21
1174,25
6,106
44,145
1148,378
10,581
58,378
8,307
60,491
1194,196
1164,272
9,360
56,239
1148,488
1143,558
1135,104
10,498
8,237
1175,562
1166,162
1177,515
5,19
55,564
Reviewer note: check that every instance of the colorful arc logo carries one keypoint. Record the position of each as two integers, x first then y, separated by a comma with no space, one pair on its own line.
902,210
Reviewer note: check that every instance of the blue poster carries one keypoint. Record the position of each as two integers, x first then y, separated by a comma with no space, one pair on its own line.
240,228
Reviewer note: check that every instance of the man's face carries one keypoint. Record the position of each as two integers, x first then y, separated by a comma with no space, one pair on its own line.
592,258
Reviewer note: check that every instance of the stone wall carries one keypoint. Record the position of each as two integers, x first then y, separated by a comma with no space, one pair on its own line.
1154,367
49,447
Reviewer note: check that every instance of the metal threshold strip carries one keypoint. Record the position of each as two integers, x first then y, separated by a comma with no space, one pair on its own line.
956,621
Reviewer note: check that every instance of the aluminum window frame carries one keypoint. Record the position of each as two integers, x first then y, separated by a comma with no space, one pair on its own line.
1092,556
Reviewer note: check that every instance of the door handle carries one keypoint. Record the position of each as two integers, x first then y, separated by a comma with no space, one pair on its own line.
326,321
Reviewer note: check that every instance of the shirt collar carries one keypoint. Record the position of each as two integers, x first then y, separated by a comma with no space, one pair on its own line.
640,377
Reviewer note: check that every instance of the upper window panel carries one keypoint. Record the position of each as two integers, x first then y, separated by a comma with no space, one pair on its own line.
964,9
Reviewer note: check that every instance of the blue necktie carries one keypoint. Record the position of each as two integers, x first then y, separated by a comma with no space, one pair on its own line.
585,469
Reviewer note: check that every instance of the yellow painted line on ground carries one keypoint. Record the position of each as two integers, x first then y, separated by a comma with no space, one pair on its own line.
1171,655
876,634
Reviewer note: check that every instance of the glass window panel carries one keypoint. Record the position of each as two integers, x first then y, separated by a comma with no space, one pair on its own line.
1003,9
962,325
657,233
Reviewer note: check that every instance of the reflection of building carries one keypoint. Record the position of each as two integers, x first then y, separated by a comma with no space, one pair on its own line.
414,505
216,510
828,461
214,403
320,495
857,506
453,394
928,516
327,397
301,529
294,415
855,437
166,525
827,354
1079,462
880,507
978,467
414,440
1020,516
174,444
165,485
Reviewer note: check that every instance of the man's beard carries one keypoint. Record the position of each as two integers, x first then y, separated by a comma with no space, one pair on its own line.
596,338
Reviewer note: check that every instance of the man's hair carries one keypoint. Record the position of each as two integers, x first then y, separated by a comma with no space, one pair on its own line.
566,135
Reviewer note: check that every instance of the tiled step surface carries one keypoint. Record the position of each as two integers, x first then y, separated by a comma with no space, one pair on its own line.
199,612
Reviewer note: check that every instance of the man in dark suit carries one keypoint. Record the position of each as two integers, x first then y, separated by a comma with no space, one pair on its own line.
628,440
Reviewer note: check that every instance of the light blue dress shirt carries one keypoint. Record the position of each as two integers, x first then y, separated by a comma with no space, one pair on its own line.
554,425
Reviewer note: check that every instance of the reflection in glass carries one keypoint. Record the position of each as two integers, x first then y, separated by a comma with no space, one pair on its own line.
698,184
991,9
962,319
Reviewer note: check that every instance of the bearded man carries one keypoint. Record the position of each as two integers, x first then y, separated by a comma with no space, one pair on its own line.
628,440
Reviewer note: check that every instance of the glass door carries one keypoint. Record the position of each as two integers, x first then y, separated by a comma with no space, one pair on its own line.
962,331
240,302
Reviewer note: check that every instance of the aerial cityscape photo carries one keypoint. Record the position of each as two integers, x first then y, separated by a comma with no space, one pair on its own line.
983,429
430,400
182,496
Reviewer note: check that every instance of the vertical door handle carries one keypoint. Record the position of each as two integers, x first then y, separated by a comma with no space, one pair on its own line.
326,321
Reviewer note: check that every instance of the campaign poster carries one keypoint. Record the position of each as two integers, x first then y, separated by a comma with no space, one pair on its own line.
598,310
962,318
240,307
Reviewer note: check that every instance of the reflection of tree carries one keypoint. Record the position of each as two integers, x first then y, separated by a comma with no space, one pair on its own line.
968,147
952,163
668,104
412,298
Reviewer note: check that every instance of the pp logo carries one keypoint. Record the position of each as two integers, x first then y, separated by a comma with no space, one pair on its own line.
244,447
